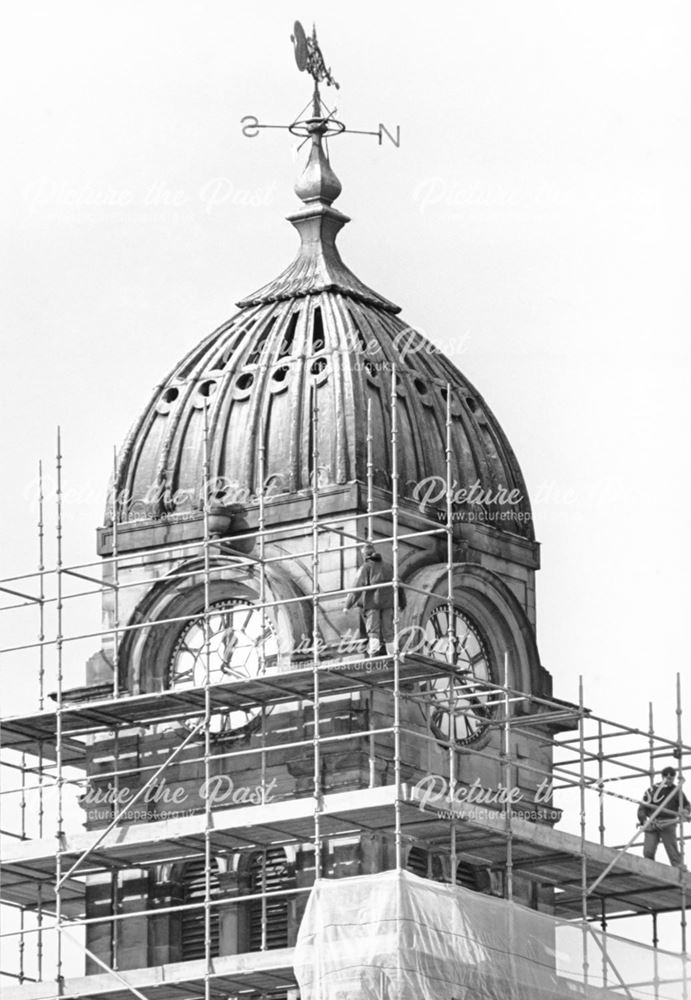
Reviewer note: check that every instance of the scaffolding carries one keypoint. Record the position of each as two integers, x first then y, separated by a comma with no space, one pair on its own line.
61,752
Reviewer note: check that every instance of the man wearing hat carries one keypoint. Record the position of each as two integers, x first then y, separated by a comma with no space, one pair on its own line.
376,605
659,812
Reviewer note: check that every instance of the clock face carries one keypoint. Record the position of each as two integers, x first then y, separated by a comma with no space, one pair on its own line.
235,644
457,703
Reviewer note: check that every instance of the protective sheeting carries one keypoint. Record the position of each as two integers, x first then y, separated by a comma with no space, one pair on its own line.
395,936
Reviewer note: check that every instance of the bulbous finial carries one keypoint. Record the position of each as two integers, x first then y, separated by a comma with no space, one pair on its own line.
318,182
318,266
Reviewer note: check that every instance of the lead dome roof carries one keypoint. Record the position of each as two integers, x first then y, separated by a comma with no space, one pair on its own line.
316,336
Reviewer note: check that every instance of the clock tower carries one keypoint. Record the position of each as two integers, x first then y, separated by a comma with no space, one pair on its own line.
313,420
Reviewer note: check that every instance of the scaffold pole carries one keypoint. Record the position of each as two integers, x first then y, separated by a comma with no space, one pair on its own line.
452,641
59,978
116,578
582,818
398,833
316,749
206,500
682,816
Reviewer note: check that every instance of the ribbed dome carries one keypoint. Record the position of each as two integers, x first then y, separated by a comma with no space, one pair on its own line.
314,335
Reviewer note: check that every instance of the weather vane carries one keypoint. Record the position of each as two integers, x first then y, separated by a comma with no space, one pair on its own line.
309,58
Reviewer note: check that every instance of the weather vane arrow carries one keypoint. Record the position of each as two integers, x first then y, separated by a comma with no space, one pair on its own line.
310,59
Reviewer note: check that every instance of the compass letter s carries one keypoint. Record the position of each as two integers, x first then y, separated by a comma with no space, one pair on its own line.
250,129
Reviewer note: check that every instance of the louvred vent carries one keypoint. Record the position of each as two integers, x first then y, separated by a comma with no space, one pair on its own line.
467,876
424,864
418,862
270,872
193,921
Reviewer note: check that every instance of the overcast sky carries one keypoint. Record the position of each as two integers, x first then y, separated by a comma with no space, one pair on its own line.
534,223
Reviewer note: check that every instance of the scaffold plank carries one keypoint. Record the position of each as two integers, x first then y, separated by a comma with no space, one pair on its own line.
35,734
548,855
554,857
29,863
262,971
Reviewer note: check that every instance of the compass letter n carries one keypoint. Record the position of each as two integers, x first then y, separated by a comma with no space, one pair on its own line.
250,129
383,130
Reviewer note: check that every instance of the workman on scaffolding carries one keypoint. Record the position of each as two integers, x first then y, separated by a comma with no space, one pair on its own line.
661,808
376,605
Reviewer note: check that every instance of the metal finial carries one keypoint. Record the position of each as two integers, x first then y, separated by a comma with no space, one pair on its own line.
322,121
309,57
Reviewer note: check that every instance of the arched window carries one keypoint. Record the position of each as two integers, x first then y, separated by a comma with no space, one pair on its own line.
269,872
193,923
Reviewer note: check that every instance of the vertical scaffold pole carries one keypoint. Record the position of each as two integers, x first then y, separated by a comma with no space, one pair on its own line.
651,776
22,807
656,958
207,705
651,744
452,651
370,529
601,782
603,925
262,599
315,633
507,776
116,577
41,696
262,586
115,873
115,876
22,799
59,835
601,829
398,839
41,595
20,976
584,861
506,759
680,806
370,472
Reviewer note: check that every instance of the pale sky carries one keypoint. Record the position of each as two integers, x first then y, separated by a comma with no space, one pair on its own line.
534,223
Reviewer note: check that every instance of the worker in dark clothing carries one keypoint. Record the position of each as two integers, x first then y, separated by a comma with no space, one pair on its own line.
376,606
658,814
